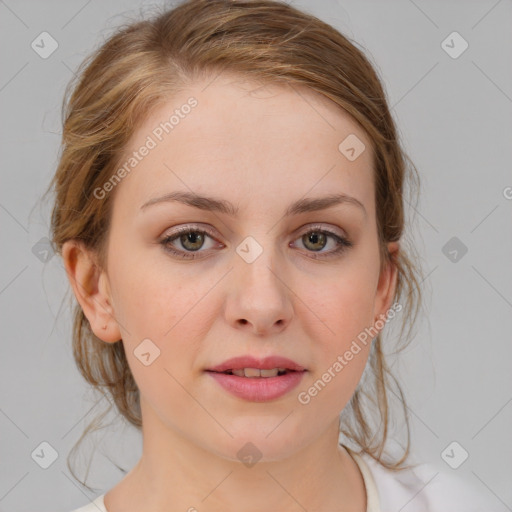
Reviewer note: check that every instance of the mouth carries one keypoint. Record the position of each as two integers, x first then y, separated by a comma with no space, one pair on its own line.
255,373
253,367
258,380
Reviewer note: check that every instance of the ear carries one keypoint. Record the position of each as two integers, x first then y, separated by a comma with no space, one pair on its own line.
91,288
387,284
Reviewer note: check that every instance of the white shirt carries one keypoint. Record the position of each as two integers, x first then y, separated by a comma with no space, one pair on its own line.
421,489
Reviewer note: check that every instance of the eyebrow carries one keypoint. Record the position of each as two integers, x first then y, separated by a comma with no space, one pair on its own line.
223,206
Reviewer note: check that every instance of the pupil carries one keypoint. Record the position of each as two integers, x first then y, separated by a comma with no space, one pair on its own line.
192,237
314,238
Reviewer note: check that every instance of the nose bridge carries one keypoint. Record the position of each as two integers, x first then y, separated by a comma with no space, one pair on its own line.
259,294
258,259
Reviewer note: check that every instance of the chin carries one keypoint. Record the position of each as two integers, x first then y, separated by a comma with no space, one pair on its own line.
256,445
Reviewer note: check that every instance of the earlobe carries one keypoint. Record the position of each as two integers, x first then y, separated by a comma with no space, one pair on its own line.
90,286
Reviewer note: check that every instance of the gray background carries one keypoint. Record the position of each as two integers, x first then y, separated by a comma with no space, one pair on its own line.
454,115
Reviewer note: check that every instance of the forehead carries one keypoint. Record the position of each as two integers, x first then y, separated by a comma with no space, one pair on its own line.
244,139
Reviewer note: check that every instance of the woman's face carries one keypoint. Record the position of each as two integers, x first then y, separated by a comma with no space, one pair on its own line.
259,282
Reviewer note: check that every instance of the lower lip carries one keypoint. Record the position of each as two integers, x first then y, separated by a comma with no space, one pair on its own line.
258,389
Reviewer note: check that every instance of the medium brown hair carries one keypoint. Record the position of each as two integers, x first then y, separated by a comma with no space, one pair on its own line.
141,66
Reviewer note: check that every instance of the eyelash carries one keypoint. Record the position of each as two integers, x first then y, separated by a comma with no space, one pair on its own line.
343,243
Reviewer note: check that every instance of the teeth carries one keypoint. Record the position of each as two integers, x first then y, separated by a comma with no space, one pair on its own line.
269,373
256,372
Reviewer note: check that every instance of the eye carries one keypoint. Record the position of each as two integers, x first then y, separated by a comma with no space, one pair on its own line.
317,238
191,240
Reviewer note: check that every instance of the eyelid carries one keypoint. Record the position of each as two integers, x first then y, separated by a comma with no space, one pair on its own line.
302,230
189,227
320,227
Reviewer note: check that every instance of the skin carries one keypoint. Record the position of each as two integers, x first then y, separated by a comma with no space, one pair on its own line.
261,148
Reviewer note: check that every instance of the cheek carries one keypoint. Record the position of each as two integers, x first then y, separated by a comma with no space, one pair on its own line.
154,301
174,311
347,314
162,305
341,348
343,303
340,314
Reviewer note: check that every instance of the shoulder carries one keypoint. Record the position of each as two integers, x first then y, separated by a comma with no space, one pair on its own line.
427,488
97,505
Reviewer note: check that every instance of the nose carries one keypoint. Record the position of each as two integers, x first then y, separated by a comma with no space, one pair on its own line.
260,298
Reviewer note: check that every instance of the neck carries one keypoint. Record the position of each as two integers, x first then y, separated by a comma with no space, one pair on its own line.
177,474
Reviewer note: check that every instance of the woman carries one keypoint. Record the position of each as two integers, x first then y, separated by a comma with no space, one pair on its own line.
230,212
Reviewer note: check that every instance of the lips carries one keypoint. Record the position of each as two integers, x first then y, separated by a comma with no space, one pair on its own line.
258,380
251,364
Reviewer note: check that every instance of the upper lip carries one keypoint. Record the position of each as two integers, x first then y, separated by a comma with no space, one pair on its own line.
238,363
